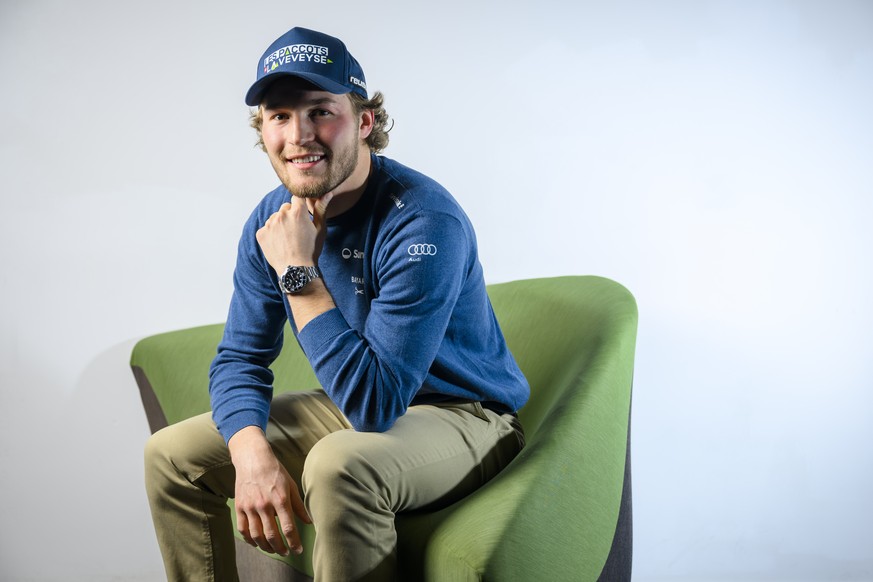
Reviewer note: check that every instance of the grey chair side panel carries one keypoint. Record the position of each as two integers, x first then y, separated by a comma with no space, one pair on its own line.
154,413
620,560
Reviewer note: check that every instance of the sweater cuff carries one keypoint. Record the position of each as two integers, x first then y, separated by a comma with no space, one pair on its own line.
321,330
240,420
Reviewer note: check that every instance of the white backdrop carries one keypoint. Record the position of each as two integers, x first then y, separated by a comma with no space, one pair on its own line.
714,157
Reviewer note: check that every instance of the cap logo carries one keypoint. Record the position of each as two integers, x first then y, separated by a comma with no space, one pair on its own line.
358,82
297,53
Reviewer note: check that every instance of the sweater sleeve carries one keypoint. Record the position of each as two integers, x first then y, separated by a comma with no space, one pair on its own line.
240,381
373,375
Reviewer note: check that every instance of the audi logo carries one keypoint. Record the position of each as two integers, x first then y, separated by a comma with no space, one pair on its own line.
422,249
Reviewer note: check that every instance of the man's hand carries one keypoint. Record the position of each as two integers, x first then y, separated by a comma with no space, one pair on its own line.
264,492
291,237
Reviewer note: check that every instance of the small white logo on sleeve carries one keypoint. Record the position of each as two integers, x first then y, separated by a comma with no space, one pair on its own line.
416,251
397,201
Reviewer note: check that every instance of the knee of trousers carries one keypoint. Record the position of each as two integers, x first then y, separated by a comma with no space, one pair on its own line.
160,450
336,472
182,453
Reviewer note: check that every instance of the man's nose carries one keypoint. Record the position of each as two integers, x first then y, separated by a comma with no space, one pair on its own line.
299,130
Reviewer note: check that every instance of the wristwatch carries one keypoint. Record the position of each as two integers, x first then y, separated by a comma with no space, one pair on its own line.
294,279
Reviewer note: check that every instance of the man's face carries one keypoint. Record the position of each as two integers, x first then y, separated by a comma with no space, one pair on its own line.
312,137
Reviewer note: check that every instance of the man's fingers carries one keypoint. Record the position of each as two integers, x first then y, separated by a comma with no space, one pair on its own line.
285,208
285,510
242,525
256,533
272,540
265,534
262,531
292,536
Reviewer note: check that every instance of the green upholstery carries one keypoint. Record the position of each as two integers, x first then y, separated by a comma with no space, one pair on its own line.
561,510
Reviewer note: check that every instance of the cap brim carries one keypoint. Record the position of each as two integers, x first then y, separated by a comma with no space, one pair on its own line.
256,92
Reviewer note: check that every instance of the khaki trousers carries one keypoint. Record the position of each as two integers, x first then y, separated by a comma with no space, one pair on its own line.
353,482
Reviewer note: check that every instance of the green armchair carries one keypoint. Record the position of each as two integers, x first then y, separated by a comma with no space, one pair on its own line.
560,511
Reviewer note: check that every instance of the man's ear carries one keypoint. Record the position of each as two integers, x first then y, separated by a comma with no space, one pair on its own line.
368,121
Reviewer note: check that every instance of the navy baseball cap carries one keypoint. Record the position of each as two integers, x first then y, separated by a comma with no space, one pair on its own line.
319,58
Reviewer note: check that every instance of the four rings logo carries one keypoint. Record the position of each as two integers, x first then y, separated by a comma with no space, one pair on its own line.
422,250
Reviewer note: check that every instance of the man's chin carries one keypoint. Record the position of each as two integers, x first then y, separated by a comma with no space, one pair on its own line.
313,195
311,191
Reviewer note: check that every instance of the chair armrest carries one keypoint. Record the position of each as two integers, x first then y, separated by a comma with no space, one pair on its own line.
172,372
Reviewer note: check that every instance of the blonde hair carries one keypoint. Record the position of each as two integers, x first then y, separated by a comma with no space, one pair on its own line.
376,141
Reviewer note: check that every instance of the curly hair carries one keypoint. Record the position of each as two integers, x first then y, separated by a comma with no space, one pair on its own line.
376,141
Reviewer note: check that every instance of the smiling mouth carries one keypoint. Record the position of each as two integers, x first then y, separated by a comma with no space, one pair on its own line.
307,159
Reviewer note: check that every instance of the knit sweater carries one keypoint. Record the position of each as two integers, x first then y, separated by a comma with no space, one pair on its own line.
412,325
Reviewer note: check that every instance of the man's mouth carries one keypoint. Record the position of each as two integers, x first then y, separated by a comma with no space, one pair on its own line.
307,159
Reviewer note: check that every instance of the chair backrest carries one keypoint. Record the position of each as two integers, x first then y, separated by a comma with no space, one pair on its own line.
557,328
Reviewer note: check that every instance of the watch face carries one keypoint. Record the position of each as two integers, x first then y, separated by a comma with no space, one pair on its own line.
293,280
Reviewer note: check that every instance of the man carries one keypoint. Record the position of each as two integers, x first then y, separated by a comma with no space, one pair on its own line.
376,268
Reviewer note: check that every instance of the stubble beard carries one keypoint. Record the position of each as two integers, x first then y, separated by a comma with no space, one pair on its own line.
341,165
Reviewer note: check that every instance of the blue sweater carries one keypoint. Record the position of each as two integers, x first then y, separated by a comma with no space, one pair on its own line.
413,323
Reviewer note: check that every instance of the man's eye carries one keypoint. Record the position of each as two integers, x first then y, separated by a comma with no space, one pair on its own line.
321,113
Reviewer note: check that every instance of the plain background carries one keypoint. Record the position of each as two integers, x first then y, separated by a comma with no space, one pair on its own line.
712,156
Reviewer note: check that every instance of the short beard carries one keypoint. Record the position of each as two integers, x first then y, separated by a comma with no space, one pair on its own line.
313,191
346,161
337,176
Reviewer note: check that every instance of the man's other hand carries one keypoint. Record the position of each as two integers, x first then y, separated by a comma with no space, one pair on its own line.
265,492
